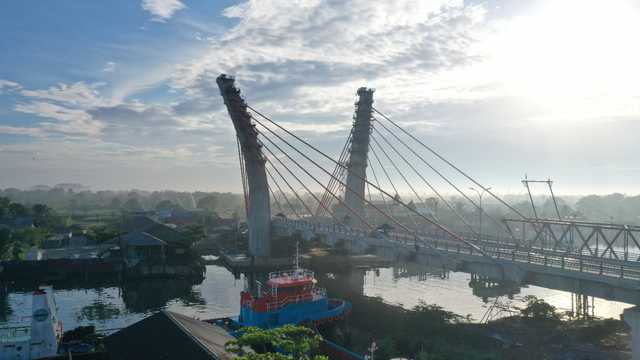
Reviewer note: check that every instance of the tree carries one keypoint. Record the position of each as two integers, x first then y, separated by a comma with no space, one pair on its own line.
101,235
18,210
4,206
28,238
5,242
168,205
46,216
115,203
193,234
538,308
41,210
430,316
73,205
386,350
132,203
295,341
208,203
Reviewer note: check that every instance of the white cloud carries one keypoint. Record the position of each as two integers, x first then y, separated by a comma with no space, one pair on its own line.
111,66
447,71
299,49
8,83
162,9
133,132
76,94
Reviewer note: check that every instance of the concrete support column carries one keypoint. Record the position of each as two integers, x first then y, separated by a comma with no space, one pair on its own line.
258,212
359,148
632,317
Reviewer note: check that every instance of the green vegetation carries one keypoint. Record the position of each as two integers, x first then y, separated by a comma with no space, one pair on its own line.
426,331
14,244
297,342
193,234
168,205
208,202
85,205
100,235
538,308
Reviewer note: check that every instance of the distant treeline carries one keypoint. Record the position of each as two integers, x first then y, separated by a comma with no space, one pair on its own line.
88,201
616,208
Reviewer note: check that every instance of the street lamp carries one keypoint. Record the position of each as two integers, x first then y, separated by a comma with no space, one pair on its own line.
480,212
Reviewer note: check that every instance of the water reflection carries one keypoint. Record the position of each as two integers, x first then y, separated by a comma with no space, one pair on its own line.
154,295
98,311
114,304
5,306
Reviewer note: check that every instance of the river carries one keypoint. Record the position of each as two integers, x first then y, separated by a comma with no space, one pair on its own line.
114,306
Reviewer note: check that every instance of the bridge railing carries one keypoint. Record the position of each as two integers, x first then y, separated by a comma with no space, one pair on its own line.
503,248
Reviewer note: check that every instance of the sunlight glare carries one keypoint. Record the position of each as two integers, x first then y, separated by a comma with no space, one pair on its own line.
573,55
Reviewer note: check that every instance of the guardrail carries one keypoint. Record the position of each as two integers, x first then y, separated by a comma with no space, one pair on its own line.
502,248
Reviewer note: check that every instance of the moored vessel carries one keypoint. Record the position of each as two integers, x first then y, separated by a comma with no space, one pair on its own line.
39,336
290,297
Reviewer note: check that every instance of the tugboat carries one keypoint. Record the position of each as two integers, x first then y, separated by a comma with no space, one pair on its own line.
292,298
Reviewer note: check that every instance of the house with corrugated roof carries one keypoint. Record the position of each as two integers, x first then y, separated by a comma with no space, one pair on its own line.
140,245
169,335
16,224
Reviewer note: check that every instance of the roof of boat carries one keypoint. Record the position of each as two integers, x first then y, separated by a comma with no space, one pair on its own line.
298,275
292,280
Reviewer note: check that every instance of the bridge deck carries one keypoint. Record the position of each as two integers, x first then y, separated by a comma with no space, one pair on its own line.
575,263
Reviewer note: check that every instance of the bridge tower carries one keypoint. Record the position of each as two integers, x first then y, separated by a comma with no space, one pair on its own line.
359,149
254,173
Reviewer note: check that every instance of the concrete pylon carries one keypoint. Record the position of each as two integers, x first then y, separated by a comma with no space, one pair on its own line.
259,212
358,153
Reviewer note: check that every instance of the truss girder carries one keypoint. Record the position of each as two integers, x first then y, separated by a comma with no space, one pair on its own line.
598,239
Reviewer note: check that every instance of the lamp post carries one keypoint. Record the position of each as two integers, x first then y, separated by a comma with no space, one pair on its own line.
480,212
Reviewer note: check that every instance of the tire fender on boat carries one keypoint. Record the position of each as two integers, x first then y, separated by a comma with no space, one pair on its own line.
316,322
330,318
336,317
322,320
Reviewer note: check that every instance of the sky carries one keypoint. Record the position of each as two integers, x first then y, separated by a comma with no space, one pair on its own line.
122,95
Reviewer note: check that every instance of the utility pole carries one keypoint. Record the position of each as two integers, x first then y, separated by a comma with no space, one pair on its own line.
480,212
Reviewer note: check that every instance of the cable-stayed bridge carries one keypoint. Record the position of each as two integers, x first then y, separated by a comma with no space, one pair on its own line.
362,206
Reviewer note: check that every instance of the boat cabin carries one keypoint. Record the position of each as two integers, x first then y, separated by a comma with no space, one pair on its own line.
286,287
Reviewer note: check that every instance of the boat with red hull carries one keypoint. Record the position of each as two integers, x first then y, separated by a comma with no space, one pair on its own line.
291,297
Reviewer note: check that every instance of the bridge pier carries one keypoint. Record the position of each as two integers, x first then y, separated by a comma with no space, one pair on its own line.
632,317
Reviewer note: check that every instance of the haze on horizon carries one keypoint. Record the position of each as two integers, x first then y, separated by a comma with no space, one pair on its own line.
122,95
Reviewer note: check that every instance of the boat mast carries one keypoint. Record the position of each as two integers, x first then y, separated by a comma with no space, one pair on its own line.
297,257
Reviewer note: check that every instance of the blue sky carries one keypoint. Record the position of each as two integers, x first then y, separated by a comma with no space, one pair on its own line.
122,94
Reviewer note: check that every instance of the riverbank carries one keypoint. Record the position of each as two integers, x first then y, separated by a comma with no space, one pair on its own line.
399,332
443,335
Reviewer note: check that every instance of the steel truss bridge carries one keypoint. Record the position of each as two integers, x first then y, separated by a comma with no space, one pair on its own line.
512,258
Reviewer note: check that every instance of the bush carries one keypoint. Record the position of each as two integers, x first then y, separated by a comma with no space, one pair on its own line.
538,308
